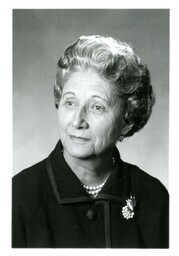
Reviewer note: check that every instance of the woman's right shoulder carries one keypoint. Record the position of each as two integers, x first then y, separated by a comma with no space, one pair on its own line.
30,186
30,176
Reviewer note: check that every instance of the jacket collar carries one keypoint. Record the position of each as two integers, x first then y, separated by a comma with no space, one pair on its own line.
68,189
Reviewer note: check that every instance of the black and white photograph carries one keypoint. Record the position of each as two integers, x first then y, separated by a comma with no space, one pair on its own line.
90,128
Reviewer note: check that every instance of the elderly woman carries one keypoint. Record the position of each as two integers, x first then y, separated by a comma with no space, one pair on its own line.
83,195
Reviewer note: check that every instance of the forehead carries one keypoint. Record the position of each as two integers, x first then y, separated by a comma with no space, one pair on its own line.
88,81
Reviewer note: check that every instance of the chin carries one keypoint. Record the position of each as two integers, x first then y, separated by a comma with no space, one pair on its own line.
80,154
80,151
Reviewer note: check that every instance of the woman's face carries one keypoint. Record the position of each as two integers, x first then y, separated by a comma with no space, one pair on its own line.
90,115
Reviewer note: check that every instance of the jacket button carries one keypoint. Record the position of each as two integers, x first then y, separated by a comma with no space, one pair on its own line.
91,215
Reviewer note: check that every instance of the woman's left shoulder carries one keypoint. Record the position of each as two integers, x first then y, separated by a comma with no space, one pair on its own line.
146,183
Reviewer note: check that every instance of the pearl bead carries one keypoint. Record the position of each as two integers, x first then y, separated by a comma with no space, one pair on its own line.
93,190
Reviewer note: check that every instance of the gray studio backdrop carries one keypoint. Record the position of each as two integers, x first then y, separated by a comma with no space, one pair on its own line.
39,39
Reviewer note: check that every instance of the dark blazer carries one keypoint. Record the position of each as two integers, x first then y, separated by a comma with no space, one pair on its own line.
51,208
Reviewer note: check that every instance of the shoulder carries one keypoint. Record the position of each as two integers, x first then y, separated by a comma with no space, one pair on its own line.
27,186
31,174
145,184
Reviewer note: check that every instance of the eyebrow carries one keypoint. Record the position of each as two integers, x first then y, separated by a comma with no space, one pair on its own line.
94,96
97,96
69,93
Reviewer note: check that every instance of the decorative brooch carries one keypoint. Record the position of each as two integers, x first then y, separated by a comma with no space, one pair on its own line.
128,210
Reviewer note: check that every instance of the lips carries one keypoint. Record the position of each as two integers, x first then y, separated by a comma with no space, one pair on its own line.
78,138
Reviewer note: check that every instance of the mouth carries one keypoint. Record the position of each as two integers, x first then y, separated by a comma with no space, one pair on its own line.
78,139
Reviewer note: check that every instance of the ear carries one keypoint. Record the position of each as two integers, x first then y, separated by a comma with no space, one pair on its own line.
126,129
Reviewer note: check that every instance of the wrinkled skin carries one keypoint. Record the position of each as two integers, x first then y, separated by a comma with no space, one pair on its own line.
90,115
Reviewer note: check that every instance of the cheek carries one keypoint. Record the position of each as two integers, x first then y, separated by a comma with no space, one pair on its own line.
63,120
106,132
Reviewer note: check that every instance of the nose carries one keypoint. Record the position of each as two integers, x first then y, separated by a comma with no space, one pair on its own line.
79,119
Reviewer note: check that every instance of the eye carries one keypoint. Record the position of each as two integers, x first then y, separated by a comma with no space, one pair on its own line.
97,108
70,104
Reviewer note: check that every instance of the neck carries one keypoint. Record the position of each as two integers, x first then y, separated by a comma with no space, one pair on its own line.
92,171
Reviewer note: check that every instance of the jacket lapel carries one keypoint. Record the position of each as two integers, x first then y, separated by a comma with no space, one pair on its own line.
68,189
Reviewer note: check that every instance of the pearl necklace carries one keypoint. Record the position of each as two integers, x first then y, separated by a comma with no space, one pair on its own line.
93,190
